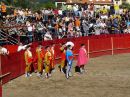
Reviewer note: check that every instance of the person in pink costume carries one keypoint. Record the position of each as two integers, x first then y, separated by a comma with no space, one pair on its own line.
82,58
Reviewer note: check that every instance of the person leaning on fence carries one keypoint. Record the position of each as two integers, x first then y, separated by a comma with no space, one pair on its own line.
28,60
40,57
3,51
69,58
22,47
47,60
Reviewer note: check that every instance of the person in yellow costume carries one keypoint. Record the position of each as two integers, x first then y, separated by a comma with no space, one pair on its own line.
52,50
40,56
28,61
47,60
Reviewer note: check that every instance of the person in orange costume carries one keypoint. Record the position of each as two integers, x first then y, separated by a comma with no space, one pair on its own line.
47,60
40,57
52,50
63,57
28,60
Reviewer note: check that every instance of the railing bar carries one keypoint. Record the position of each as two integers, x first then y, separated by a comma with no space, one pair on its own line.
15,41
10,36
1,76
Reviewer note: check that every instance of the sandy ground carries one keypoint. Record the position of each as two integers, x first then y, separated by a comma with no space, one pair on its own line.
106,76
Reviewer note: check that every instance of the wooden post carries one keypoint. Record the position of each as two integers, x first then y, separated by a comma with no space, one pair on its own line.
0,70
0,78
88,49
0,90
112,45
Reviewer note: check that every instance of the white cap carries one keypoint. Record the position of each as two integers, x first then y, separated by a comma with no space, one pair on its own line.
70,43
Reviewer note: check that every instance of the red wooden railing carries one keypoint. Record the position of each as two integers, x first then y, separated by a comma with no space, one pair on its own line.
96,46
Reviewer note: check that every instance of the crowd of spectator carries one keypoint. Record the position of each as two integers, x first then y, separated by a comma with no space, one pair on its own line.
65,22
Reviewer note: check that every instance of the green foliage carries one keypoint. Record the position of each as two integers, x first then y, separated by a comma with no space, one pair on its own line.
7,2
47,5
125,5
22,3
41,5
33,4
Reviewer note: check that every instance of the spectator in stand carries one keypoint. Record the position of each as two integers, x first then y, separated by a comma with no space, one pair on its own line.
112,10
91,9
65,22
47,36
85,26
75,9
116,7
30,32
77,23
3,9
85,6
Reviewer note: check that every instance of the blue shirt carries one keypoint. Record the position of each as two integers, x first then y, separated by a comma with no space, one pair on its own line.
69,56
128,24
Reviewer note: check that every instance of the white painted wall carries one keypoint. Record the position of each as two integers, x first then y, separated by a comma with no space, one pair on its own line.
120,1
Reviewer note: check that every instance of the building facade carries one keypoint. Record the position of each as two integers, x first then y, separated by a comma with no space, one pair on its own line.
96,2
121,1
90,1
86,1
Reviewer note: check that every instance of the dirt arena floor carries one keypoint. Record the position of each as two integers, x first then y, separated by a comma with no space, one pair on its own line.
106,76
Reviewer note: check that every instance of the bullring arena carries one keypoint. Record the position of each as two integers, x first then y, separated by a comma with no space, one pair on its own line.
107,74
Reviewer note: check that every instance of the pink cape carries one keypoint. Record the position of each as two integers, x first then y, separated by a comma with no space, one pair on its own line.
82,57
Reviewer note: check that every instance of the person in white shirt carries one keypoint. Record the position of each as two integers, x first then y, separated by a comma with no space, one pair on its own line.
60,12
102,24
30,30
3,51
47,36
75,9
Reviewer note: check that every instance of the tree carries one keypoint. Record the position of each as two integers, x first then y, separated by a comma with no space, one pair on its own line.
33,4
125,5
